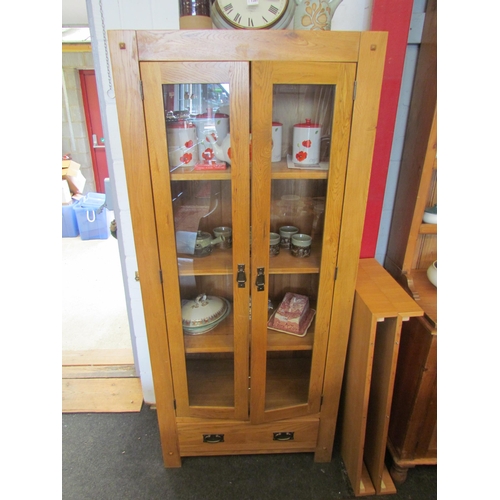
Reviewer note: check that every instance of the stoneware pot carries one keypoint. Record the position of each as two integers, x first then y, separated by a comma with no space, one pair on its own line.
432,273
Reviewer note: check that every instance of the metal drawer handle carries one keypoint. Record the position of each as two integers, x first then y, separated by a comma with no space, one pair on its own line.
283,436
213,438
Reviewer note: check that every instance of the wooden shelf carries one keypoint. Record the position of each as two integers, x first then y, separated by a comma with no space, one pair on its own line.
219,262
286,263
220,339
277,341
188,174
428,228
280,170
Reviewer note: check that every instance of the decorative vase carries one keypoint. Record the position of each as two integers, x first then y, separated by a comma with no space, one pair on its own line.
314,14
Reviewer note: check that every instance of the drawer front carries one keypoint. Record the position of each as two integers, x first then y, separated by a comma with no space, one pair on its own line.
231,438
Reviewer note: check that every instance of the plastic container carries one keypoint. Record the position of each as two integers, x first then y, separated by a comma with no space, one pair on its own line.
92,217
69,222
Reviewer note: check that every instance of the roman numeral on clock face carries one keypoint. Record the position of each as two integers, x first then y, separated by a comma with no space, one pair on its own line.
237,18
250,22
273,10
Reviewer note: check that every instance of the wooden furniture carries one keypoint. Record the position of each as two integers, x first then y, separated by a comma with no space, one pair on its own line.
243,387
381,307
412,248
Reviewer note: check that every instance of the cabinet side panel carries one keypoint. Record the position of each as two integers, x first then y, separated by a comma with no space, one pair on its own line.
364,125
126,77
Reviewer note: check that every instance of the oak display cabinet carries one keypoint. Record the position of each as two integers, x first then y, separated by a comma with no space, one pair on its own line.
243,387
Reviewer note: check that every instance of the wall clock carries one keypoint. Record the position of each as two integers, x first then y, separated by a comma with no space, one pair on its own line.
252,14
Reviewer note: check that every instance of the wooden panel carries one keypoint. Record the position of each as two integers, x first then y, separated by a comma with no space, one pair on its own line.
384,368
380,305
357,390
413,414
101,395
375,284
127,78
364,125
241,45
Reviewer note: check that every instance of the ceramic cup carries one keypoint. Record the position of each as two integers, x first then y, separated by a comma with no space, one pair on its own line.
274,244
182,144
277,135
286,233
301,245
225,234
306,143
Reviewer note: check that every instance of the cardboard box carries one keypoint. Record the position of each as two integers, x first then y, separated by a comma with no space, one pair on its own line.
73,176
70,168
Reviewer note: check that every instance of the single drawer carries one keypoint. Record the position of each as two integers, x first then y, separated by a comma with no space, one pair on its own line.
229,437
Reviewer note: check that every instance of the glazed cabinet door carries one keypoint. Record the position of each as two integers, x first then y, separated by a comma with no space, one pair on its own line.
192,111
301,118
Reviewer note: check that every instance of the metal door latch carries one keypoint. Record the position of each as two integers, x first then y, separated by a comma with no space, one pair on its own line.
241,277
261,280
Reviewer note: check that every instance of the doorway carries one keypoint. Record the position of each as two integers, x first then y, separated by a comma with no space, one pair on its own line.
94,127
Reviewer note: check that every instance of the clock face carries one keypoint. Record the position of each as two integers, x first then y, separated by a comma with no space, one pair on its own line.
252,14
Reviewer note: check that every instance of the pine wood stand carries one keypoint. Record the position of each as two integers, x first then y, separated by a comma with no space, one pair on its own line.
380,308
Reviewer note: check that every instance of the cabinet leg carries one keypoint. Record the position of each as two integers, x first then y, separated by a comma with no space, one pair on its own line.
398,473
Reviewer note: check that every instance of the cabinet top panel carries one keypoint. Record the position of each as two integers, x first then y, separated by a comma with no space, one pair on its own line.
241,45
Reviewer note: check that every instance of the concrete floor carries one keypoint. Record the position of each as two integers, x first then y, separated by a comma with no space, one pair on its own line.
94,314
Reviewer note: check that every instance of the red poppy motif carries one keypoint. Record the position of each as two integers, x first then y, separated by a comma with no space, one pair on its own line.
186,158
213,136
188,144
301,155
208,154
306,144
229,153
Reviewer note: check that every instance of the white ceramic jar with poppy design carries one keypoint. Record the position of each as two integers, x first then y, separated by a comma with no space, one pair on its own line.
182,144
219,123
306,143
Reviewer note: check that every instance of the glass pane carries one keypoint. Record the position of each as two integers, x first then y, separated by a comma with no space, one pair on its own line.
302,131
197,122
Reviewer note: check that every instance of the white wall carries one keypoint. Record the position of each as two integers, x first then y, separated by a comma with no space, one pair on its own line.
351,15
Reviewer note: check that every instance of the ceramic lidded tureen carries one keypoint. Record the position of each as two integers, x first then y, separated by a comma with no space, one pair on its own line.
204,313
